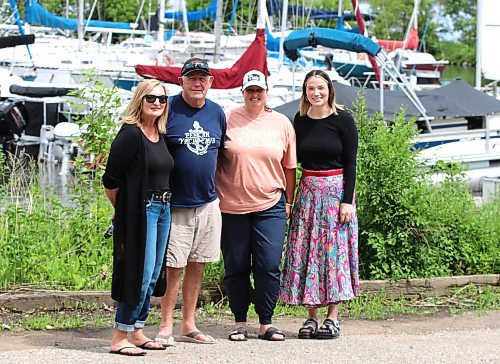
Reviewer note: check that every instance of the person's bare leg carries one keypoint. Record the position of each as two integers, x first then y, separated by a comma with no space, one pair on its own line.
333,311
120,340
168,302
191,287
313,313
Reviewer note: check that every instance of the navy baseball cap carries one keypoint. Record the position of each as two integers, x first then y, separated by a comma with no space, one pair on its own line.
195,64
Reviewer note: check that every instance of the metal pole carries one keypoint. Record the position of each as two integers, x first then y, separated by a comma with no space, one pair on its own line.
185,20
160,37
80,25
381,86
479,45
218,31
283,29
67,15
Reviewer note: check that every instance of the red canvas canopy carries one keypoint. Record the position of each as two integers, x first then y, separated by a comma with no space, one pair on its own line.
392,45
254,58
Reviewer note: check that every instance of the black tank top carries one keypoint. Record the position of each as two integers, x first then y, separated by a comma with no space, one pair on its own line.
160,164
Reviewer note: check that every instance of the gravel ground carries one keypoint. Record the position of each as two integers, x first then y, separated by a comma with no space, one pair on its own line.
468,338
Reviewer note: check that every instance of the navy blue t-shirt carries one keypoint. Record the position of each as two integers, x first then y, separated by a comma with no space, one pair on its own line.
194,137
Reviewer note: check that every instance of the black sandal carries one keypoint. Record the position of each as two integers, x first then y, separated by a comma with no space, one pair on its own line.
238,331
329,330
309,329
268,335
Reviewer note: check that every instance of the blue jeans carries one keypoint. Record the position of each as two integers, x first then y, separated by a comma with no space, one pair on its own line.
253,243
129,317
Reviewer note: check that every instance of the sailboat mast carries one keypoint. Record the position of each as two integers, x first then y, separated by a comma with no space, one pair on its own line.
160,36
185,21
412,23
284,16
218,31
479,44
80,24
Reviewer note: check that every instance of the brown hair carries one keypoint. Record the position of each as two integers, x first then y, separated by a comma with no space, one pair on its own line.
133,111
305,104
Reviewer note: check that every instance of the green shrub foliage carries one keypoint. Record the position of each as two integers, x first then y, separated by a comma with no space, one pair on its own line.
408,227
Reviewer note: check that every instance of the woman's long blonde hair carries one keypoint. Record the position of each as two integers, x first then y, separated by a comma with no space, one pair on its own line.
133,111
305,104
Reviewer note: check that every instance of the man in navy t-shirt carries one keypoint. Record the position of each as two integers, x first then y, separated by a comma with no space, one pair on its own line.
196,130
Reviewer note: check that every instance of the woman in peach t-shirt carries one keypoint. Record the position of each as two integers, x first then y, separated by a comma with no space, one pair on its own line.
255,182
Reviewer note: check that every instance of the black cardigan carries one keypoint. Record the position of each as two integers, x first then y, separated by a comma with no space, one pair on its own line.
126,169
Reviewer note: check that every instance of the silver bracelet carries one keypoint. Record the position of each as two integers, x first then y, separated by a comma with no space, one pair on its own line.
288,204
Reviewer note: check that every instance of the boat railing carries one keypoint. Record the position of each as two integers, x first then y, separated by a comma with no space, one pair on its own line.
474,134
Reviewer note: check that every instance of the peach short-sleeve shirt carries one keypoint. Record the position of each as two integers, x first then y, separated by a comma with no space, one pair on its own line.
250,174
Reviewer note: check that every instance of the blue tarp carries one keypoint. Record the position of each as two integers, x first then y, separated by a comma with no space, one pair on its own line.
329,38
37,14
209,12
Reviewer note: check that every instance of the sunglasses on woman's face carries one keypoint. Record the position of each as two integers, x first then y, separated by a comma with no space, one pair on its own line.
152,98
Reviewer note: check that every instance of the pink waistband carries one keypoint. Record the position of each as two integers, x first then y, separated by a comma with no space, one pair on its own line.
330,172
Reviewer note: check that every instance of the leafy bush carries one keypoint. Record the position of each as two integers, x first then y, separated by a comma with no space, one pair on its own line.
408,226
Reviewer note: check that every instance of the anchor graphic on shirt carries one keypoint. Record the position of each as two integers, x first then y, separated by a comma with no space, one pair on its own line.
197,140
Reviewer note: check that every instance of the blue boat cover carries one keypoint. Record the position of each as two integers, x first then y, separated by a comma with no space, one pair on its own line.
37,14
209,12
329,38
272,43
275,7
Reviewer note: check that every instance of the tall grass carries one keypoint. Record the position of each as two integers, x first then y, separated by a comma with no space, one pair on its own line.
45,243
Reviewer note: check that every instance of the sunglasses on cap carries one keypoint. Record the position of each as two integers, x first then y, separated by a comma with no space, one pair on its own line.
152,98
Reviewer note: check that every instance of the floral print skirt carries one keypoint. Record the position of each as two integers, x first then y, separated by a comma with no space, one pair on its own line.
321,255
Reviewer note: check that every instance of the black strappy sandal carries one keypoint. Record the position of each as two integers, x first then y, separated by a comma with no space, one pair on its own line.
309,329
329,330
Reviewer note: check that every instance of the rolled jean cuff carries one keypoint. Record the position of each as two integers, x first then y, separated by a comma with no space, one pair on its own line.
139,324
123,327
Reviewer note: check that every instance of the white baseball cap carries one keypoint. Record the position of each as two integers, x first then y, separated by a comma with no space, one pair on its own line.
254,78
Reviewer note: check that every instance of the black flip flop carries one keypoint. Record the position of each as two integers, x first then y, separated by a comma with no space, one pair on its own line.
239,331
121,352
268,335
309,329
145,347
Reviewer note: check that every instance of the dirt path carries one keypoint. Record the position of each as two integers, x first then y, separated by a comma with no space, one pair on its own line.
471,338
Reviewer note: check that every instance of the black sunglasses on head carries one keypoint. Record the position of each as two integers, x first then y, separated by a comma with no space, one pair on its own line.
152,98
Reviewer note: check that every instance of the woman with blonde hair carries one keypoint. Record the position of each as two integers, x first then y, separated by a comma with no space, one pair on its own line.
136,182
321,256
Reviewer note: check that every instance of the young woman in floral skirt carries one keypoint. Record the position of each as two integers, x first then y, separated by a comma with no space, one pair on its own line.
321,256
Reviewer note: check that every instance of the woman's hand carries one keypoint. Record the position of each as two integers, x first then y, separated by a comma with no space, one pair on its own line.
288,209
346,213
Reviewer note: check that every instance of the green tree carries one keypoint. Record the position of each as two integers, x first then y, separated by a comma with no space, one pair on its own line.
393,16
463,16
